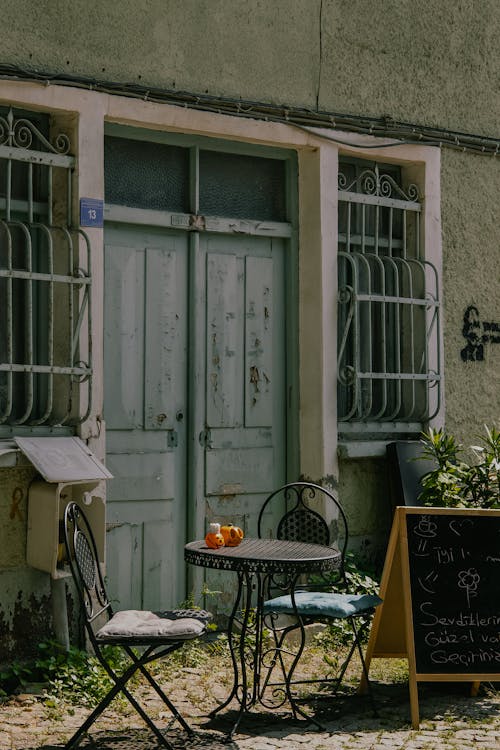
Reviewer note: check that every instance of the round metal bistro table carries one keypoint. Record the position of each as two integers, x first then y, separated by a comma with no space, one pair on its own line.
262,565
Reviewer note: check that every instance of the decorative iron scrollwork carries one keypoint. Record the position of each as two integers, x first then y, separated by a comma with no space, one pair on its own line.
22,133
371,182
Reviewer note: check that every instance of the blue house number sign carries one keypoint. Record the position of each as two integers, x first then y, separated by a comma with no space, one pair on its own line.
91,212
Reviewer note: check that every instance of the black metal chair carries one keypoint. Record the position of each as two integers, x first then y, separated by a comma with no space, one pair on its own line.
144,636
314,515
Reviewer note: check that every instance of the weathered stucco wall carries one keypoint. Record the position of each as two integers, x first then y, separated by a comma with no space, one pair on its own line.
365,492
429,61
14,485
256,50
433,62
24,593
471,277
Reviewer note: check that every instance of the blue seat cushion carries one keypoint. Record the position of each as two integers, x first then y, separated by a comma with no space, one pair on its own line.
323,604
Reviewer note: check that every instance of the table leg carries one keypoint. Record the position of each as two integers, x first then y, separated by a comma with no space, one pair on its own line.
249,660
237,634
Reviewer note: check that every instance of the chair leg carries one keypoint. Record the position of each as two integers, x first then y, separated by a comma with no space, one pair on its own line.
363,665
141,665
356,645
75,739
118,687
337,681
173,710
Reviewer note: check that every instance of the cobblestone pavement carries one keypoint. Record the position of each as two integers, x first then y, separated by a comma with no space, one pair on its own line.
450,720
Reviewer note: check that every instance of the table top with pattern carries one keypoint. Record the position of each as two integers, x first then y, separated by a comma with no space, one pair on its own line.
264,556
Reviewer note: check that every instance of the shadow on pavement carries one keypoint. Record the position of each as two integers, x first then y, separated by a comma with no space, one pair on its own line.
143,739
343,714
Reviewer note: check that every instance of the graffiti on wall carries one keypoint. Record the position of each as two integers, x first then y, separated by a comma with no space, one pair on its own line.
477,334
15,509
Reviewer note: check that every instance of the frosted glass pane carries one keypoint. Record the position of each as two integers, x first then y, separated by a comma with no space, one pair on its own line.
146,175
244,187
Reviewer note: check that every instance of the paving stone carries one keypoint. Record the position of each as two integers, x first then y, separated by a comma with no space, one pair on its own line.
450,722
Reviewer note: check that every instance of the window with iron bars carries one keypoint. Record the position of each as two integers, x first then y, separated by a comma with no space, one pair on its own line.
388,306
45,342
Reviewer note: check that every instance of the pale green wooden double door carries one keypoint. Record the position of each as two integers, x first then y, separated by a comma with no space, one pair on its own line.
195,397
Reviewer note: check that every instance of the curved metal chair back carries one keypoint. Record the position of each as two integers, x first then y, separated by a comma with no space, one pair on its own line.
308,602
303,523
83,560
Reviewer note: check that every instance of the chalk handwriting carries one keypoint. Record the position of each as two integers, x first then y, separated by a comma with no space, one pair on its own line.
455,588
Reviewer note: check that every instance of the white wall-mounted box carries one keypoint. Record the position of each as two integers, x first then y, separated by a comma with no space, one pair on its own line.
71,473
46,505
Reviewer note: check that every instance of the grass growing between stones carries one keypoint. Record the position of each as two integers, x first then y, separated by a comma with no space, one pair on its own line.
203,669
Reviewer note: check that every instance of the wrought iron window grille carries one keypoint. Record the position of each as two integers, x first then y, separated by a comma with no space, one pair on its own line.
389,363
45,279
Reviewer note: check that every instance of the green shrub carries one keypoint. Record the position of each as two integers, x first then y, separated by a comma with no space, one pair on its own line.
456,483
77,677
73,675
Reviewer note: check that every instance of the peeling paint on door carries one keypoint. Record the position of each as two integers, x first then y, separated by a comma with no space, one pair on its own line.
145,380
259,351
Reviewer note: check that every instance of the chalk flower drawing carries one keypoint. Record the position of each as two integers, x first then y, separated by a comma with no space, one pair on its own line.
469,580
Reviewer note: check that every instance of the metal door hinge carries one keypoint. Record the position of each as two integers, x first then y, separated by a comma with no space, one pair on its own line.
205,439
172,439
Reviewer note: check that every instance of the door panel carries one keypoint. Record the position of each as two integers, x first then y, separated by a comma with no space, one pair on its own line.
145,394
244,417
245,362
242,469
164,338
123,574
142,475
124,302
142,568
224,342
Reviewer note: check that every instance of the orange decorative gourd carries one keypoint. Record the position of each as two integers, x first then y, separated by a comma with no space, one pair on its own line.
214,538
232,535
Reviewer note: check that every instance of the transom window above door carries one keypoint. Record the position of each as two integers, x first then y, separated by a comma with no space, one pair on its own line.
195,180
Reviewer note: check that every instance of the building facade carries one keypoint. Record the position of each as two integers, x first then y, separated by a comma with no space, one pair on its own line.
239,243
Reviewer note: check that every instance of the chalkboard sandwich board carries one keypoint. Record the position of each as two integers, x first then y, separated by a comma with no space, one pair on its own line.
443,566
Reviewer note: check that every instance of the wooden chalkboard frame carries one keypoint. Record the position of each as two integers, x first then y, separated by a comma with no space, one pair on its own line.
392,634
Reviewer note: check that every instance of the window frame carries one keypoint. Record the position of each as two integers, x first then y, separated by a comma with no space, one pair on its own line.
389,305
420,165
46,272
